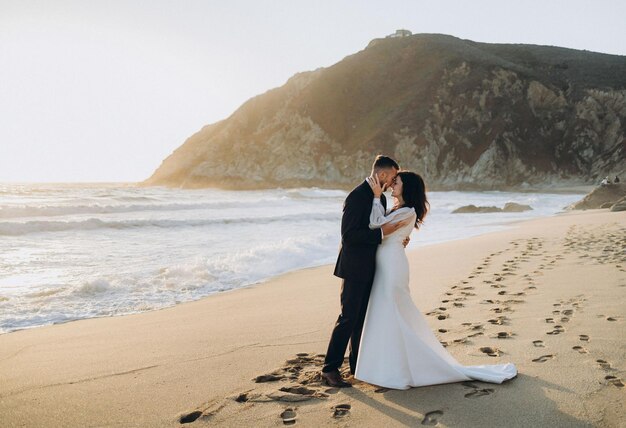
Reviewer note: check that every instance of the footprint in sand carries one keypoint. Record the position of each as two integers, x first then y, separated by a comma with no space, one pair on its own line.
614,381
503,335
580,349
431,418
558,329
543,358
497,321
538,343
242,398
604,364
479,393
583,337
298,389
564,319
288,416
550,320
190,417
491,351
611,319
341,410
270,377
567,312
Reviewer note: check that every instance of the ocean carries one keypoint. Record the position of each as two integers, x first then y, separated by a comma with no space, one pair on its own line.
75,251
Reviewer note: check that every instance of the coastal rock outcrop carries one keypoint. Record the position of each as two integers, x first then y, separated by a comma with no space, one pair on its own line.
509,207
619,205
512,207
465,115
472,209
604,196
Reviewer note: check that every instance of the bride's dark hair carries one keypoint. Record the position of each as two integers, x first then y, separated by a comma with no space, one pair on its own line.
414,195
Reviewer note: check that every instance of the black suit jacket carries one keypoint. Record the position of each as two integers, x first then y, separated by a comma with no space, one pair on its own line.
357,255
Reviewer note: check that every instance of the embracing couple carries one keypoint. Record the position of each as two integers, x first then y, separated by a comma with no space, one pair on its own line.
391,344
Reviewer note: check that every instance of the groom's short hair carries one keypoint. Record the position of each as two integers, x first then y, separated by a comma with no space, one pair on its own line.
384,162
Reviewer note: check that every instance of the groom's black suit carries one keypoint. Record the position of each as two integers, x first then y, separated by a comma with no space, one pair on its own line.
356,264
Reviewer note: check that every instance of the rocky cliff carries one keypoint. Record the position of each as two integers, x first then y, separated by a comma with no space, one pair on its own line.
465,115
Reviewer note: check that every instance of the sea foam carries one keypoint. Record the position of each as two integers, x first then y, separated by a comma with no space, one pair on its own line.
81,251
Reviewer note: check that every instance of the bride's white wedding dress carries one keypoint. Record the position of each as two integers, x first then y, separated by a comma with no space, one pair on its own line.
398,349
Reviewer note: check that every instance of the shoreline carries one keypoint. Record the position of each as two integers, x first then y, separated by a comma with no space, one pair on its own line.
507,224
196,359
552,189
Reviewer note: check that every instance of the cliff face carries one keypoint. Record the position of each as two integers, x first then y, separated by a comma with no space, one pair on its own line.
462,114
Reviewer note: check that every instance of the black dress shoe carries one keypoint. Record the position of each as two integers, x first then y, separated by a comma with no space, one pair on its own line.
334,379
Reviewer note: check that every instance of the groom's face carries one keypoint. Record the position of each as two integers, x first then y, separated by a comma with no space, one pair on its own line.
387,177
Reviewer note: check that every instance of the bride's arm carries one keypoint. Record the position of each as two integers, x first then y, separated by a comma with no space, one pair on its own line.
377,215
387,224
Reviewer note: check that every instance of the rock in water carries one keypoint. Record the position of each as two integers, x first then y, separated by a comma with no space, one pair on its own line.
512,207
474,209
509,207
601,195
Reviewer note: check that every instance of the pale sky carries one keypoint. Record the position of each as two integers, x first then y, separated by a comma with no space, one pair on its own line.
96,90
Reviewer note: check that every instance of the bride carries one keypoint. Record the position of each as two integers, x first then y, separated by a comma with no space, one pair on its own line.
398,349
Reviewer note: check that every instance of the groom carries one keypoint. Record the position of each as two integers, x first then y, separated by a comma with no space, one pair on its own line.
356,264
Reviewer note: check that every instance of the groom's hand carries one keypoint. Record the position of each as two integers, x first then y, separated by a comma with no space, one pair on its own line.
406,241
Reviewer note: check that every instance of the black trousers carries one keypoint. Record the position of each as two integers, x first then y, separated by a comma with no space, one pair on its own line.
354,298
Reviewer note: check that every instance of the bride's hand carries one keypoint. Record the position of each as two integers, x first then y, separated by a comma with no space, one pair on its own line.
374,183
392,227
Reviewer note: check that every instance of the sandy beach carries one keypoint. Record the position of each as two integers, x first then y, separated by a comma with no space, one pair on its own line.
546,294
